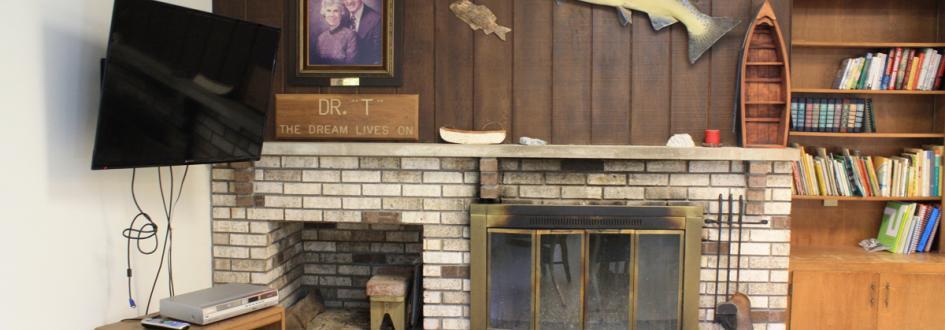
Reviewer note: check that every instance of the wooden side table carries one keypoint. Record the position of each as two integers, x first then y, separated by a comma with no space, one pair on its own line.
272,318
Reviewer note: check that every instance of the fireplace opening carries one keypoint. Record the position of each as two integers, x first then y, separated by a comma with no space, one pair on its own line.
585,267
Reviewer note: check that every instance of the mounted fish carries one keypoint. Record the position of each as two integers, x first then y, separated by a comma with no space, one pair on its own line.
478,17
704,30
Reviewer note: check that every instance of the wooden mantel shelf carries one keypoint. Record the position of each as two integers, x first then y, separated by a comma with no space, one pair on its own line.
521,151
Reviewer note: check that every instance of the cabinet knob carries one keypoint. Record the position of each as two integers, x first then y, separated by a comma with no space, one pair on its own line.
872,294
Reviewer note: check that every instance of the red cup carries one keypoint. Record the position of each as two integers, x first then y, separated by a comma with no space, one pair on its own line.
712,136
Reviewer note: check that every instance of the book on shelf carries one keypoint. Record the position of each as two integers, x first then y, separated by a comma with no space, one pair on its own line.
893,69
839,115
908,228
916,172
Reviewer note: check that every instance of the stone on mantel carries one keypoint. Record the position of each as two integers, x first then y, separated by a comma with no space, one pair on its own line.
520,151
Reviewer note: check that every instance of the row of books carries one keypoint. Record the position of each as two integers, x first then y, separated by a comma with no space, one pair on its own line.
898,69
845,115
909,227
914,173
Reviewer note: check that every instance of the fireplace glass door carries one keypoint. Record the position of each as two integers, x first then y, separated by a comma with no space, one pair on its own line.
584,279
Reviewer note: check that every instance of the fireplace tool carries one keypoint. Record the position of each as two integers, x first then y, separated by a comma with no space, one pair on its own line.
735,312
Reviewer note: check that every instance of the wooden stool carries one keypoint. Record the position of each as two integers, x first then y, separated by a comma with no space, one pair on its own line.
387,294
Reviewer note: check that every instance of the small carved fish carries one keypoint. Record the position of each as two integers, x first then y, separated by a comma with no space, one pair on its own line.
478,17
704,30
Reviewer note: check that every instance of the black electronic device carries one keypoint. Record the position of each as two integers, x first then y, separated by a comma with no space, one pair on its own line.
182,86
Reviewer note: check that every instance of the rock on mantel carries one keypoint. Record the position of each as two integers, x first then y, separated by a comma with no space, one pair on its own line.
521,151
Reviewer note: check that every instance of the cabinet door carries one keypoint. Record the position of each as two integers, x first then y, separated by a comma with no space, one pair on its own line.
912,301
834,300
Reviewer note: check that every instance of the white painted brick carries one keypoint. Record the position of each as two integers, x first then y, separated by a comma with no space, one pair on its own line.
432,231
623,166
322,202
783,195
230,277
607,179
343,216
402,203
541,165
420,163
221,212
782,167
782,249
264,214
249,240
456,245
679,179
263,227
521,178
728,180
779,276
299,162
451,324
639,179
460,164
339,162
777,302
778,208
360,176
471,177
755,248
565,178
767,288
706,193
443,284
321,176
303,215
319,246
380,190
442,311
422,190
623,192
431,323
442,204
223,174
379,163
455,218
222,226
768,262
433,257
784,181
709,166
402,176
750,275
420,217
459,191
432,297
666,166
738,166
230,252
582,192
219,187
303,188
432,244
259,175
267,187
283,201
268,162
432,270
758,301
238,213
341,189
442,177
223,200
540,191
361,203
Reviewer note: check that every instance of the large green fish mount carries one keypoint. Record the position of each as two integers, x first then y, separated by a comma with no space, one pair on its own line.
704,30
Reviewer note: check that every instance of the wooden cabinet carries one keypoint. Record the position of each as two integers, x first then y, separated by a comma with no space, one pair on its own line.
844,288
816,303
911,301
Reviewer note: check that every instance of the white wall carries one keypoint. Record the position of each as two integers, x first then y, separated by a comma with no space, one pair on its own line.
63,258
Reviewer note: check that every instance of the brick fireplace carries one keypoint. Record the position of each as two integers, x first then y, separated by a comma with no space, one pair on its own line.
327,215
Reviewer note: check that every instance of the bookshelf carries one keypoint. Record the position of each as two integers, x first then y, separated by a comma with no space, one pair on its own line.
825,256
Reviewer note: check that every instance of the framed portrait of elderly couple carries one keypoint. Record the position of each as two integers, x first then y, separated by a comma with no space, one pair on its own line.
345,42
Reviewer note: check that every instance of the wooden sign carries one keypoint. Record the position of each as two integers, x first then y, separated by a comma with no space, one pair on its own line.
374,117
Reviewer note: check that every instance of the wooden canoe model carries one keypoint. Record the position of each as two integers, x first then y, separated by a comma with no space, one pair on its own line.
459,136
764,83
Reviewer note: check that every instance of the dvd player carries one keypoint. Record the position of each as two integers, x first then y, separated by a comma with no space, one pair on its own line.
218,303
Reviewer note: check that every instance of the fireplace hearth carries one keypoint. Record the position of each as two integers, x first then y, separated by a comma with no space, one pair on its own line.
585,267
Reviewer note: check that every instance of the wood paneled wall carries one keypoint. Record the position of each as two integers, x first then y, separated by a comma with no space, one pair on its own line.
568,74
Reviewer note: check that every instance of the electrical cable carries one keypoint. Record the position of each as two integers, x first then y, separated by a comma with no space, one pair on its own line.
168,206
146,231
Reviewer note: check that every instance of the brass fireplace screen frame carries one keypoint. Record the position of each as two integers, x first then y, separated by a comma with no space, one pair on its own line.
547,219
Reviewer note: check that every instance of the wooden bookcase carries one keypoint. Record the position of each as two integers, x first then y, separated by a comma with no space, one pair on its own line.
829,272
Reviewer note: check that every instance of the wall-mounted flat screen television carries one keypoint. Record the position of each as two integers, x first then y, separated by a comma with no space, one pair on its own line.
182,86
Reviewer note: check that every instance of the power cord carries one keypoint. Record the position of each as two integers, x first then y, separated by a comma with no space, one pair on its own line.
149,230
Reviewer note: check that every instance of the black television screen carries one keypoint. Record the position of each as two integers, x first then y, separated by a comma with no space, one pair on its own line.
182,86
